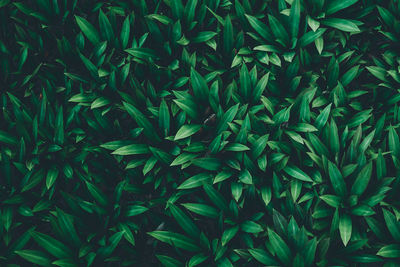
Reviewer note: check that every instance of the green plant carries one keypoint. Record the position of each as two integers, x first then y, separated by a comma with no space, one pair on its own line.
199,133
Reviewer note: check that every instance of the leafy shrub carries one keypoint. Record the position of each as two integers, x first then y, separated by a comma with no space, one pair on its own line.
200,133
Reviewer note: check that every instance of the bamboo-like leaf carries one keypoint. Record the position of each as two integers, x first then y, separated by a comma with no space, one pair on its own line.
294,18
341,24
362,180
176,240
88,30
281,249
184,221
345,228
35,256
142,121
199,85
336,178
51,245
295,172
186,131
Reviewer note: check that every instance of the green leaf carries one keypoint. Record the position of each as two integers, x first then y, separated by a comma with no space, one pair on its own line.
336,179
362,180
226,118
184,221
51,245
204,36
125,31
359,118
246,177
349,75
259,145
228,234
202,209
278,30
266,195
216,197
195,181
295,189
260,87
304,127
222,176
394,143
183,158
367,141
186,131
100,102
189,11
380,166
188,106
51,177
88,30
142,121
362,210
334,137
294,18
3,3
160,18
199,85
66,224
281,249
64,263
175,240
211,164
245,83
81,98
378,72
314,24
34,256
341,24
134,210
389,251
113,242
8,138
228,36
295,172
260,28
309,251
177,8
345,228
251,227
168,261
337,5
113,145
310,37
90,66
387,17
237,190
134,149
97,194
392,224
262,256
161,155
7,218
319,44
331,200
197,259
142,53
236,147
59,127
105,27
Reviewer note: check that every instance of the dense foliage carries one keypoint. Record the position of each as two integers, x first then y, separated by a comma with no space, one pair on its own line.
200,133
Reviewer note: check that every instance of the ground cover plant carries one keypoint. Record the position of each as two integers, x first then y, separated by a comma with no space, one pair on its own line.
200,133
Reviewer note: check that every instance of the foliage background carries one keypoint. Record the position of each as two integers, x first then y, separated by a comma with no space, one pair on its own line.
199,133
